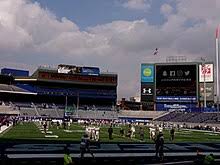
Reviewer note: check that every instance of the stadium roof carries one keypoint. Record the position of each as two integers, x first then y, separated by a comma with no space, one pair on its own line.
4,88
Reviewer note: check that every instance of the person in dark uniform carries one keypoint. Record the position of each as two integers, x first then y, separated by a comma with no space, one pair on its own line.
159,143
172,133
129,131
45,127
122,132
64,124
141,132
110,131
85,146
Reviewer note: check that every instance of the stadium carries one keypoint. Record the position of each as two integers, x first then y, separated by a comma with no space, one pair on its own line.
53,108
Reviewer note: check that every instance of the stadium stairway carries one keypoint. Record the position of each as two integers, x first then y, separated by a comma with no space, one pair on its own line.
4,128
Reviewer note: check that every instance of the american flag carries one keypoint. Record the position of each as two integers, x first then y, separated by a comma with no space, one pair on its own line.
156,51
217,32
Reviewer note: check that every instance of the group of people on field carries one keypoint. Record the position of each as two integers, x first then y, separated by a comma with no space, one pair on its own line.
158,139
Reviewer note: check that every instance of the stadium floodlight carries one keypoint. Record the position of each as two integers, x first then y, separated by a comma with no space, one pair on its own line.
204,82
217,66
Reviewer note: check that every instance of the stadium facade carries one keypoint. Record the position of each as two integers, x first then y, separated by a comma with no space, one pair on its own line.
78,85
177,86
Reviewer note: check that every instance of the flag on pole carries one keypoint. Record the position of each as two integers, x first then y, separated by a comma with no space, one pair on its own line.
217,32
156,51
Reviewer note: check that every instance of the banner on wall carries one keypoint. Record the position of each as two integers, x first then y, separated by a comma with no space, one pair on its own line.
206,73
147,73
147,92
209,91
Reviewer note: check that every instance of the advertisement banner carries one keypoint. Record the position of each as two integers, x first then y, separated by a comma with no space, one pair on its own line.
14,72
76,78
206,73
176,107
176,98
209,91
147,92
69,69
147,73
90,71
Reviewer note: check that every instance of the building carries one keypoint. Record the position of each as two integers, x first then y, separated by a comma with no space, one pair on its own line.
69,84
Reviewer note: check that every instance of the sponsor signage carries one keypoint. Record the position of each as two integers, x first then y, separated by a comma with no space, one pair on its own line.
90,71
147,92
14,72
69,69
206,73
75,78
176,98
209,91
175,107
147,73
134,119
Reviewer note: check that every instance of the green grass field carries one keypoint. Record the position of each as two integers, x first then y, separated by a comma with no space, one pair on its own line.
31,131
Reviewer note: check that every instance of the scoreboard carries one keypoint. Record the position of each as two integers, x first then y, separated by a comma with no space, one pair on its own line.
176,82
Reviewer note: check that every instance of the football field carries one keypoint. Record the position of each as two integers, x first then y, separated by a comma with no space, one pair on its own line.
32,131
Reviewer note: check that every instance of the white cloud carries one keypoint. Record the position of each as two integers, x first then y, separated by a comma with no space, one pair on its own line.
166,9
137,5
31,36
199,9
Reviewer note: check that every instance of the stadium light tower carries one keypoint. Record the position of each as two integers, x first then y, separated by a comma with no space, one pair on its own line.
204,81
217,66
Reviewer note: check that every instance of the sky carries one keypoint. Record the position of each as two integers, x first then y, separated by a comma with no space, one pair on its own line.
115,35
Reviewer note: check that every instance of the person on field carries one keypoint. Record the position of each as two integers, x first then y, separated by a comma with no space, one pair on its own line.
58,124
67,160
85,146
122,131
209,160
159,143
45,127
172,134
132,131
110,132
141,132
129,131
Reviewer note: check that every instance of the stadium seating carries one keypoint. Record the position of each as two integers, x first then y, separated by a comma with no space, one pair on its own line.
27,111
190,117
140,114
6,109
85,93
97,114
5,87
96,107
57,111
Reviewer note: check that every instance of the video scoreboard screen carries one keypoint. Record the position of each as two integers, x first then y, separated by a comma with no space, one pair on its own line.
176,82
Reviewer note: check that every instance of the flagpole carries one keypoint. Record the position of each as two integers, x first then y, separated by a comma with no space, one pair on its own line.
204,82
77,108
217,67
65,107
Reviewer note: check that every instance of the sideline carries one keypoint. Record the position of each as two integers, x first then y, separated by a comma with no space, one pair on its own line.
2,132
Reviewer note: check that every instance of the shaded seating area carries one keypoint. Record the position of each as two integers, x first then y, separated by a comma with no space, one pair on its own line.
196,117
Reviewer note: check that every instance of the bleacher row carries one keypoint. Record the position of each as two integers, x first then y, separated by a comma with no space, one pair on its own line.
190,117
140,114
105,112
67,91
84,111
5,87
